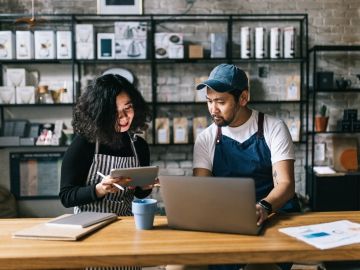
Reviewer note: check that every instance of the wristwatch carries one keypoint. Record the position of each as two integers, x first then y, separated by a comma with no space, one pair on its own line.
266,205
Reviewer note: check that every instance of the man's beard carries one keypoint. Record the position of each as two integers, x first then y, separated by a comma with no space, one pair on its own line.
221,122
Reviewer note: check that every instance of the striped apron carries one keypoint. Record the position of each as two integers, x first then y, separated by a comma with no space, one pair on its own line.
119,202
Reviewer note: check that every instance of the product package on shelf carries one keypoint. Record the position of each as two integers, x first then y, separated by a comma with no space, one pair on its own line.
162,125
45,47
166,42
24,45
7,45
180,130
218,45
105,46
130,40
84,41
63,45
7,95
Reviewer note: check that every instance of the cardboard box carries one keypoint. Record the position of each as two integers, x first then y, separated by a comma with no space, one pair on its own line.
45,47
196,51
24,45
7,45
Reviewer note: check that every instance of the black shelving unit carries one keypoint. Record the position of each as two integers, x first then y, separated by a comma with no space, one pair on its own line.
230,22
339,191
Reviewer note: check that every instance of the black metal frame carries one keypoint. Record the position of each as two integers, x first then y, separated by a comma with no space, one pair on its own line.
312,95
154,20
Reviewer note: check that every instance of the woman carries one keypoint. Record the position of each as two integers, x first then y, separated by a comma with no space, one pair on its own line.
106,119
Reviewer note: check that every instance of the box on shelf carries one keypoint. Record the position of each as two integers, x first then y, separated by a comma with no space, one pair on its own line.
164,41
275,34
84,50
84,41
16,77
84,33
9,141
25,95
24,45
7,45
245,42
260,41
105,46
199,124
7,95
289,42
196,51
218,45
130,40
324,80
63,45
45,47
350,114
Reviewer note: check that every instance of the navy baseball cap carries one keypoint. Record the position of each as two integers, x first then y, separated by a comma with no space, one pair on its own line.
226,78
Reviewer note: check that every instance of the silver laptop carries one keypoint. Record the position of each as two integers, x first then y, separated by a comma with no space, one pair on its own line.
214,204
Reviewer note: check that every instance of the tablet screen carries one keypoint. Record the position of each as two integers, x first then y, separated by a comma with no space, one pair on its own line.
141,176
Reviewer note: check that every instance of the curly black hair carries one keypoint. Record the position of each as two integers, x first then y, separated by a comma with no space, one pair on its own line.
95,114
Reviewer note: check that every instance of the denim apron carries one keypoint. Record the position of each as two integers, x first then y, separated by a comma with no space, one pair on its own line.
252,158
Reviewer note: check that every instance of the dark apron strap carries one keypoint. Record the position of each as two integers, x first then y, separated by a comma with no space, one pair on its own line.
218,135
260,132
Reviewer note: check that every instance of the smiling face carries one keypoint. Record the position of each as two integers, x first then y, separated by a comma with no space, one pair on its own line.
125,112
225,111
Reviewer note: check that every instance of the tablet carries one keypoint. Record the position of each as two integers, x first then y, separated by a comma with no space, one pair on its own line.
141,176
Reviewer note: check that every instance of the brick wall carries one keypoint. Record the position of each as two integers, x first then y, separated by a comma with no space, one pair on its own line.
330,22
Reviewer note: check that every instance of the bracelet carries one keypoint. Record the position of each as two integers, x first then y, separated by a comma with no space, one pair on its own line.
266,205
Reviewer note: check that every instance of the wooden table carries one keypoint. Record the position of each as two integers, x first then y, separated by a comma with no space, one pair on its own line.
121,244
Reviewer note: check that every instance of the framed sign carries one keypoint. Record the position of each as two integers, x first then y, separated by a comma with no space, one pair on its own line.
119,6
35,175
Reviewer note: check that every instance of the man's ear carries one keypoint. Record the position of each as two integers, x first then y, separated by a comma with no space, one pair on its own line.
244,97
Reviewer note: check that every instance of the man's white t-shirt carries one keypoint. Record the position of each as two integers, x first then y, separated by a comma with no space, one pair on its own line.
276,133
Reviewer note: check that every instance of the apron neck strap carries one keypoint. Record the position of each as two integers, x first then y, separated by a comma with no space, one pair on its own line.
260,132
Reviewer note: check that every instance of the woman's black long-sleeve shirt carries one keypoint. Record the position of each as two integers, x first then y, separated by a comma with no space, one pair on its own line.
76,165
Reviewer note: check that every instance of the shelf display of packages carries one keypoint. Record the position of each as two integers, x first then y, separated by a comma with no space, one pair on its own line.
130,40
7,45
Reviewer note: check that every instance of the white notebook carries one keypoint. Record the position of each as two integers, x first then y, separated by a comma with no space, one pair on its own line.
82,220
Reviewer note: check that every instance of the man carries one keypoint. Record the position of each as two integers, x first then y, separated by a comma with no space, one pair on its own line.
244,142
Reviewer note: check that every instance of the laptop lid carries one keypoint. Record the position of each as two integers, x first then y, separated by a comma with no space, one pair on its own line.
215,204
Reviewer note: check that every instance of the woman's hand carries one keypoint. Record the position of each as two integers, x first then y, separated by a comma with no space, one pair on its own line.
156,183
107,185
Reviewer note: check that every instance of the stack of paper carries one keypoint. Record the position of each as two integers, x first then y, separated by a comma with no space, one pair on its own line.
326,235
